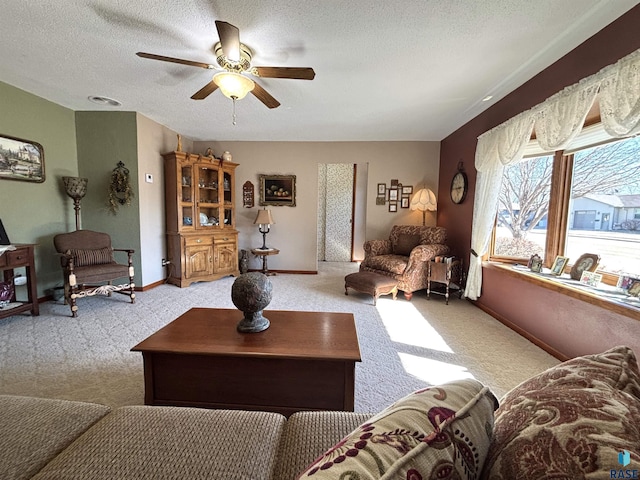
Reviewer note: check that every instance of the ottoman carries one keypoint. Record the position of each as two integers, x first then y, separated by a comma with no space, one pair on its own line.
371,283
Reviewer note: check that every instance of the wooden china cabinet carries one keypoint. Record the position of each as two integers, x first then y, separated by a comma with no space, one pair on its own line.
202,241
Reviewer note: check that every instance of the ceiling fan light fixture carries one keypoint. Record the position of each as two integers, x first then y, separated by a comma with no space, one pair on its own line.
233,85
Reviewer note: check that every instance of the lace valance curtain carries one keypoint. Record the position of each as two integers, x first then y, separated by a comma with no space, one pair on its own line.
557,121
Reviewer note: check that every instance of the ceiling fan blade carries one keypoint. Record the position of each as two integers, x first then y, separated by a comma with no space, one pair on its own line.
205,91
229,39
265,97
298,73
175,60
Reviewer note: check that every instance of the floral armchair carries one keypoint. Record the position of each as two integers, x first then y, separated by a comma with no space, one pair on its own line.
405,254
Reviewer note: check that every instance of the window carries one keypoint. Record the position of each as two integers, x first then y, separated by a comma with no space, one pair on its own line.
523,206
583,200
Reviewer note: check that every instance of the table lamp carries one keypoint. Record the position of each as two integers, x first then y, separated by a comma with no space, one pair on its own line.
265,220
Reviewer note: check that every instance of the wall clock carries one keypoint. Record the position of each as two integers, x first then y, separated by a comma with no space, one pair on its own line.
459,185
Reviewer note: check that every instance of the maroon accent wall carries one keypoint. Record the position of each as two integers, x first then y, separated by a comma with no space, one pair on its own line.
520,303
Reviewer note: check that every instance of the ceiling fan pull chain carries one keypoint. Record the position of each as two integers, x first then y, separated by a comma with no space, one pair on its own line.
234,109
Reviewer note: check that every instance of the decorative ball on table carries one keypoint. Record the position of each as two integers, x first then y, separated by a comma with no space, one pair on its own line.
251,293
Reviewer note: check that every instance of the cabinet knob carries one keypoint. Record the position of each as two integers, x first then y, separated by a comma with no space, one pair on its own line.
199,240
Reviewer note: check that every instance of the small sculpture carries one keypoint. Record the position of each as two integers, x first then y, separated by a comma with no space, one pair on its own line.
179,147
251,293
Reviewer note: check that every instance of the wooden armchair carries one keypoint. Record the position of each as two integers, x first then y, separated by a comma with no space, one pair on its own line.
404,256
89,267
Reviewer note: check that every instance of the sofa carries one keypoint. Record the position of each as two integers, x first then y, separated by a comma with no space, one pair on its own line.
579,419
404,255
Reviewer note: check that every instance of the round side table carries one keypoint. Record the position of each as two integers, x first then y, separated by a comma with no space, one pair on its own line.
264,253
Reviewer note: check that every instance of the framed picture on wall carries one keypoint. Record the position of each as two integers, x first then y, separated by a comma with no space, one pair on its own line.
278,190
404,202
393,206
393,194
21,160
381,200
382,189
407,189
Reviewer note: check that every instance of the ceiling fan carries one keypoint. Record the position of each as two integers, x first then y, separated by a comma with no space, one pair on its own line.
234,60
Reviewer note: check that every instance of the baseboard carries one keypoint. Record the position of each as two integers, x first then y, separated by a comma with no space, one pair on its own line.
294,272
150,286
519,330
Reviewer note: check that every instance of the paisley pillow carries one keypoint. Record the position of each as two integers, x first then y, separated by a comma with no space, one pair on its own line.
438,432
571,421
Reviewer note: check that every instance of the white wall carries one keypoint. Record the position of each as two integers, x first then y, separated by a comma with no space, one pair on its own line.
153,140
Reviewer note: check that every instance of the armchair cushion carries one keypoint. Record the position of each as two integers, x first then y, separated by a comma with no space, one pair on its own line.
405,243
85,257
395,264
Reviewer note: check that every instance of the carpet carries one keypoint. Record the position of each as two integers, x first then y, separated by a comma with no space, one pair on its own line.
404,345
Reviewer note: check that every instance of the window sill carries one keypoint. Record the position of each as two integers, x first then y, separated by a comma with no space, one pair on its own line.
605,297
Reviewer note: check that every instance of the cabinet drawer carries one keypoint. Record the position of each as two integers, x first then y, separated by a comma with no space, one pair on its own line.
3,260
199,240
17,257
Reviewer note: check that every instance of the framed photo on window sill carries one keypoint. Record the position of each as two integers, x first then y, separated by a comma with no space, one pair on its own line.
558,265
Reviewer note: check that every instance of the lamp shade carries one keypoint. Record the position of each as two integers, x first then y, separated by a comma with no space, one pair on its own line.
233,85
75,187
264,218
424,200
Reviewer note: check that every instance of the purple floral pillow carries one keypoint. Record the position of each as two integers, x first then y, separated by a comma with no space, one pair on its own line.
570,421
439,432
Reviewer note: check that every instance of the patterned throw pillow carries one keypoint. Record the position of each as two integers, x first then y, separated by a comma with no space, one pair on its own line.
440,432
571,421
405,243
98,256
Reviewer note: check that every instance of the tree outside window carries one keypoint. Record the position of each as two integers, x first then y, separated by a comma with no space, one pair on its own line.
601,209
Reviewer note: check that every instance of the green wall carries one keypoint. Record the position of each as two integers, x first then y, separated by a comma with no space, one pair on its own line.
103,140
35,212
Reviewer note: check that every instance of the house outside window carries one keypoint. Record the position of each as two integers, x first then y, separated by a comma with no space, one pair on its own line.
597,197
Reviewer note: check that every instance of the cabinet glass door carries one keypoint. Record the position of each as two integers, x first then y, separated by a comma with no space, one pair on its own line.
208,197
228,199
186,196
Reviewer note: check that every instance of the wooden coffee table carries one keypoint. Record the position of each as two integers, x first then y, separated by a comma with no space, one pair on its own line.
303,361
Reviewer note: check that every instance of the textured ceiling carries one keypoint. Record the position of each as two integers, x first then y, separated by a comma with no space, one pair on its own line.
403,70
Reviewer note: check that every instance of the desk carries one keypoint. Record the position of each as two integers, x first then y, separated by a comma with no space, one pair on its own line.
258,252
22,256
303,361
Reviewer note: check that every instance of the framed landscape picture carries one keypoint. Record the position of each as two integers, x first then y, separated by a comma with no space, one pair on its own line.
278,190
21,160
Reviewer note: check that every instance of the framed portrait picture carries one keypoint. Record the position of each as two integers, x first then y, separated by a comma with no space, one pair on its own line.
558,265
278,190
404,202
393,206
393,194
394,183
407,189
381,200
21,160
382,189
587,262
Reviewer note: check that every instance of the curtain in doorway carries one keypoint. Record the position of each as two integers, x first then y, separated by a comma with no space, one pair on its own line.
335,210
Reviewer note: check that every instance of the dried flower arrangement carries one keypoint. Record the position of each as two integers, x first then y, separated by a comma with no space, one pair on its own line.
120,191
